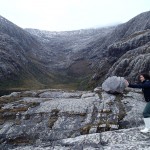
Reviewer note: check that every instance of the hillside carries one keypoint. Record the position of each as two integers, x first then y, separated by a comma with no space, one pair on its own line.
17,57
41,58
128,43
74,59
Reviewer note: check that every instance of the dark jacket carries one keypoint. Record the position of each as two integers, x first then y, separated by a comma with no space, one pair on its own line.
145,86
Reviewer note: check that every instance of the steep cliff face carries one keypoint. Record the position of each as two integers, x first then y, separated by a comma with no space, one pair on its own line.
135,55
22,58
127,50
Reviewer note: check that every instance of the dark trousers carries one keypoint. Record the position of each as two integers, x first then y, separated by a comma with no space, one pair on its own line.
146,112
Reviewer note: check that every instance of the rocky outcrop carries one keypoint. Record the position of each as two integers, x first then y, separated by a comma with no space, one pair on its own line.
135,56
126,51
56,119
123,139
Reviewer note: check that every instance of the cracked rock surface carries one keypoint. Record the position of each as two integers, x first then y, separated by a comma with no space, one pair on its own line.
58,119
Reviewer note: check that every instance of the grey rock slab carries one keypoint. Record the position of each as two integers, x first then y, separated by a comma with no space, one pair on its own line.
60,94
65,105
93,130
13,94
108,99
41,148
6,127
62,120
88,95
134,105
34,99
113,138
68,123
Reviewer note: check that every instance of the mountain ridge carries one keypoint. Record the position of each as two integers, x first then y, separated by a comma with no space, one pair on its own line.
84,57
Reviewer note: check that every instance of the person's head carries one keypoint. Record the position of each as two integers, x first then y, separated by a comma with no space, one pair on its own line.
143,77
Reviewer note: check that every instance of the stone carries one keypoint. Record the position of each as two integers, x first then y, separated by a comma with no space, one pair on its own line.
98,89
114,84
88,95
93,130
113,126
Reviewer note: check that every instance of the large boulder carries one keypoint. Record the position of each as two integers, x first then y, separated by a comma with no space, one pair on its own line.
114,84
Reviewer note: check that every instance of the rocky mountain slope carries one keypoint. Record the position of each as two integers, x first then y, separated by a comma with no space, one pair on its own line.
128,54
56,119
34,58
135,55
70,48
101,54
41,57
18,57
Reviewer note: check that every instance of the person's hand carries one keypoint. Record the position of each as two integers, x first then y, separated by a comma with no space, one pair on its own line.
127,83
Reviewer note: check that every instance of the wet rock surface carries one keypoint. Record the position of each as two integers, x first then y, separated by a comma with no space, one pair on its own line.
57,119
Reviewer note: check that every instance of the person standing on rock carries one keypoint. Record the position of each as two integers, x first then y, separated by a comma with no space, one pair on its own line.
145,86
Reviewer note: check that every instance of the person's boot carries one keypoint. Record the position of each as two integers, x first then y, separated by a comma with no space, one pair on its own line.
147,125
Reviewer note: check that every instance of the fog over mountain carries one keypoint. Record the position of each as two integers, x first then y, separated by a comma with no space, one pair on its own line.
81,58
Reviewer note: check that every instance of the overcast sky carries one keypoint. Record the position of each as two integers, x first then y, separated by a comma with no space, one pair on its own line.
63,15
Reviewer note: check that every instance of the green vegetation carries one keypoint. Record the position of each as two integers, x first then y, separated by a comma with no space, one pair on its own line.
35,76
39,80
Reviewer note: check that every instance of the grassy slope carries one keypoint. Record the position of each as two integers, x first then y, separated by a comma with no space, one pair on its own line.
40,80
